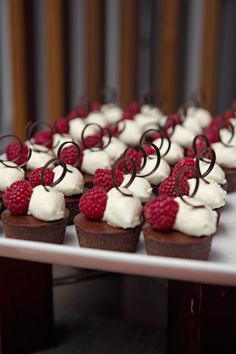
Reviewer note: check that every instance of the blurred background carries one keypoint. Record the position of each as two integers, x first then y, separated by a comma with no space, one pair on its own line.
54,51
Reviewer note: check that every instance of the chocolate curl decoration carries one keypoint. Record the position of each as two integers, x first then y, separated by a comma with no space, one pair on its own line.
77,148
197,137
65,170
158,161
172,125
211,159
162,136
30,130
230,128
20,152
179,175
115,125
133,174
100,145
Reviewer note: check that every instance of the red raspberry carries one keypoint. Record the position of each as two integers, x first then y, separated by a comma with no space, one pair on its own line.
172,120
44,138
185,162
128,114
95,106
93,203
79,112
134,107
92,141
62,126
113,128
200,145
149,149
17,197
211,134
161,213
169,187
127,165
70,156
35,177
13,153
103,178
229,114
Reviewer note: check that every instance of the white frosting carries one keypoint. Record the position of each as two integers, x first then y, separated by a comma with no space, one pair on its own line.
131,134
72,183
160,174
225,156
139,187
59,139
216,174
95,159
112,113
226,136
233,121
39,157
10,175
195,221
211,194
122,211
175,153
192,124
96,117
202,116
47,205
115,148
151,110
76,127
182,136
146,121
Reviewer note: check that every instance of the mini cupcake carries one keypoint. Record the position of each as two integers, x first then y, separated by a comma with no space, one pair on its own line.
34,214
110,221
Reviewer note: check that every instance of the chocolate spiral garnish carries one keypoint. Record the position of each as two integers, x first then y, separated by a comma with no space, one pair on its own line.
61,163
158,161
100,145
179,175
133,174
169,130
77,161
197,137
230,128
211,159
30,130
115,125
4,162
163,136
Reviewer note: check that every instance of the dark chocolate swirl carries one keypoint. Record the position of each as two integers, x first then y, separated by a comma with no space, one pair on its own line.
100,145
31,128
44,168
163,136
230,128
206,155
78,157
4,162
123,159
195,141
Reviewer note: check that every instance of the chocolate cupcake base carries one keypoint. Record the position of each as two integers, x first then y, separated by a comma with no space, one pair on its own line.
72,204
100,235
230,175
26,227
176,244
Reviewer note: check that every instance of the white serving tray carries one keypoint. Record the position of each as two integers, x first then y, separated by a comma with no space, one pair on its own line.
219,269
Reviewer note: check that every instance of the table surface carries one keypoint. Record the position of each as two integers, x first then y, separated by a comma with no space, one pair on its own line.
219,269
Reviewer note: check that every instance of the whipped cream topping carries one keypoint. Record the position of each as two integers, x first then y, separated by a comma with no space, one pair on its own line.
95,159
47,205
96,117
202,116
216,174
131,134
122,211
76,127
175,154
210,194
59,139
151,110
146,121
182,136
195,221
226,136
160,174
192,124
225,156
39,157
72,183
10,175
115,148
112,113
139,187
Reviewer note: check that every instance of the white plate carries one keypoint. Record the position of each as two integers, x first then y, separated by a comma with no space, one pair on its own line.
219,269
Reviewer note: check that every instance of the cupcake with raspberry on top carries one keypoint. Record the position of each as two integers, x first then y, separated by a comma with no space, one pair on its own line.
109,220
